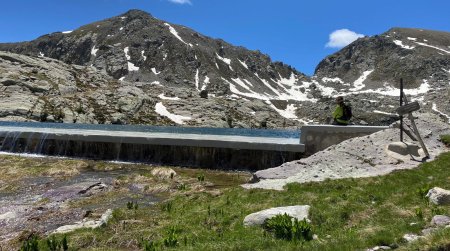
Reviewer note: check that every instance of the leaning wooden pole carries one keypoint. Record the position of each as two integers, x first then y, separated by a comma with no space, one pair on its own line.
401,104
416,131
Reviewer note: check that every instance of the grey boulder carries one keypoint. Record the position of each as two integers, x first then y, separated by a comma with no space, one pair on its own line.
439,196
258,218
440,220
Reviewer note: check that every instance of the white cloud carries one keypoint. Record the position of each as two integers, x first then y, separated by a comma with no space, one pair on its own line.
181,1
341,38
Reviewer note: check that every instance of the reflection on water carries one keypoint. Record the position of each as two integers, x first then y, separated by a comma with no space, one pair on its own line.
277,133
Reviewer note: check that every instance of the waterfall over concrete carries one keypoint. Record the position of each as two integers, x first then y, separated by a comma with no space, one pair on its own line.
188,148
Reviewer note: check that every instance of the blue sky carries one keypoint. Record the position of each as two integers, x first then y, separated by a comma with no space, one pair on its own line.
295,32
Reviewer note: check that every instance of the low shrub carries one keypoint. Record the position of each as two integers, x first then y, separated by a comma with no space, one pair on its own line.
286,227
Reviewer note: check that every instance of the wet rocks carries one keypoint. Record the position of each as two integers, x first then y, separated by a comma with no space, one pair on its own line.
74,191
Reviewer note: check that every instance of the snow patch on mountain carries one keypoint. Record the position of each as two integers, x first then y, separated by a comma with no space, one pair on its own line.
243,64
266,83
241,84
388,90
155,72
143,56
335,80
67,32
161,96
441,113
162,110
225,60
249,94
248,82
132,67
125,50
434,47
400,43
385,113
288,113
205,83
359,83
325,90
197,80
94,51
175,33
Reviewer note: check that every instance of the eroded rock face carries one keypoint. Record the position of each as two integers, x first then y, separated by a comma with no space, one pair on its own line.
439,196
258,218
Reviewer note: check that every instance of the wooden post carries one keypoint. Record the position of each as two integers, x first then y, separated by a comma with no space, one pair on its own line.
415,130
401,104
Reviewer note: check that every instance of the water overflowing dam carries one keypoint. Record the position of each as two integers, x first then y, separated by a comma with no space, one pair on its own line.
223,148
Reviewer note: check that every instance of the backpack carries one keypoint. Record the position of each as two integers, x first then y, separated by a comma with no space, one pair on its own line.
347,112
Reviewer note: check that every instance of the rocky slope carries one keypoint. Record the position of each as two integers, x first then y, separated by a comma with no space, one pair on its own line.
365,156
175,66
45,89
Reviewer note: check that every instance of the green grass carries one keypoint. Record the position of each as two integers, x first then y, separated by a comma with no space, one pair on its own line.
445,139
348,214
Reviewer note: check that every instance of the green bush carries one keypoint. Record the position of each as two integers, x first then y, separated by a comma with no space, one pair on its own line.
149,245
285,227
54,244
167,207
172,239
423,191
201,177
31,244
132,205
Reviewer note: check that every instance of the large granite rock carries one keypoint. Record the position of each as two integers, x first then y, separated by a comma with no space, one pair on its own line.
439,196
258,218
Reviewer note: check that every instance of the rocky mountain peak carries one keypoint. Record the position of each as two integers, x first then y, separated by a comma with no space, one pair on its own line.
412,54
136,13
177,70
136,47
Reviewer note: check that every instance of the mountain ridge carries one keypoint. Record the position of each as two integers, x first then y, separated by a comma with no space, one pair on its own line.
136,48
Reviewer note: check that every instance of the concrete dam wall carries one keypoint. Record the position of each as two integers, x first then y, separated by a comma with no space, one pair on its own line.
193,150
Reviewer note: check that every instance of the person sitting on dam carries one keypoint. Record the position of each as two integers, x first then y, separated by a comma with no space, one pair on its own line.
343,112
